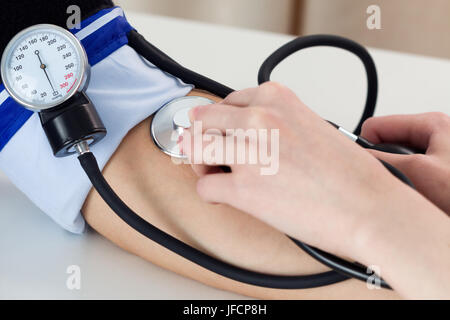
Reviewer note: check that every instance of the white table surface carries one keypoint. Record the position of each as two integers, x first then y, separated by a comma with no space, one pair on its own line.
35,252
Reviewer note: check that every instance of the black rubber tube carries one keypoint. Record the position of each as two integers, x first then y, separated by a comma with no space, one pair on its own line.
352,270
90,166
330,41
167,64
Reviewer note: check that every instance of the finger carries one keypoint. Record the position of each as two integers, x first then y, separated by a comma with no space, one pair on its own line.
391,158
241,98
204,149
218,116
201,170
215,153
216,188
408,164
275,94
413,130
418,168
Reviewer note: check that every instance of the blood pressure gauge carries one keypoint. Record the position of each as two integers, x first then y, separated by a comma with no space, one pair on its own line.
43,66
45,69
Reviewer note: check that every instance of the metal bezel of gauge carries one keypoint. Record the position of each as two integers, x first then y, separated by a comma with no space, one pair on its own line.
81,84
68,121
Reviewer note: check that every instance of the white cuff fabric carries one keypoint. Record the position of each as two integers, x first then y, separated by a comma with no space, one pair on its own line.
125,89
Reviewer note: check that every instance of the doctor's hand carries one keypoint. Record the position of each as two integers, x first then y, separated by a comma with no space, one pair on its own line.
325,186
430,173
320,187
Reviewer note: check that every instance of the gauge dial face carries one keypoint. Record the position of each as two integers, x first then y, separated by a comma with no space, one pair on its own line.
43,66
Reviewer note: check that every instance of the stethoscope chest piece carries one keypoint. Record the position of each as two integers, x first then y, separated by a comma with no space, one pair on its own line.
170,122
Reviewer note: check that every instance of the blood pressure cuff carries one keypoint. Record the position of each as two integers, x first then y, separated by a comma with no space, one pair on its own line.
124,87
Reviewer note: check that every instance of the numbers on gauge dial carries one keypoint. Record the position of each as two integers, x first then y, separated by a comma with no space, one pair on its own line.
44,67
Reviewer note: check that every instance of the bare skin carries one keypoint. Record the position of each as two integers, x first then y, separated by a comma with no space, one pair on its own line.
165,194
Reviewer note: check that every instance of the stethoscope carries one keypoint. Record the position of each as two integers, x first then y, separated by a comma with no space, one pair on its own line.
71,123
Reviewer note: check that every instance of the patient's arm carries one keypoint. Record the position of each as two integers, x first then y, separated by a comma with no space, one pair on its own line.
165,195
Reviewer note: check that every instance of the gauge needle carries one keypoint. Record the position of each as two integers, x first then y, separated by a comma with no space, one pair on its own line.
44,67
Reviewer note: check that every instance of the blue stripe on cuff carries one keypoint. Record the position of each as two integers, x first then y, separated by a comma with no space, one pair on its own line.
12,117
